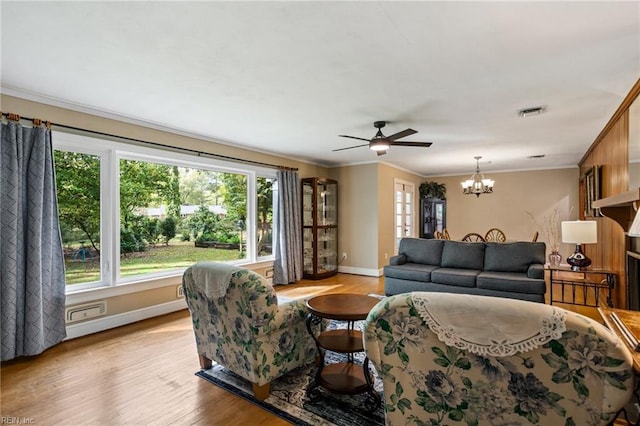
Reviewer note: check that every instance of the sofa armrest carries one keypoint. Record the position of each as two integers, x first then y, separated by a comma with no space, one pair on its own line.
400,259
536,271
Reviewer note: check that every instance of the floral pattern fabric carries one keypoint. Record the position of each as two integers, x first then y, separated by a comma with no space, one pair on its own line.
584,377
247,331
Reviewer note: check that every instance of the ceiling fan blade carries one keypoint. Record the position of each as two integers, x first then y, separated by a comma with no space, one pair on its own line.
349,147
414,144
354,137
401,134
381,153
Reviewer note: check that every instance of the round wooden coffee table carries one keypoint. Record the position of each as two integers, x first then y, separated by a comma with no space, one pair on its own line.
348,377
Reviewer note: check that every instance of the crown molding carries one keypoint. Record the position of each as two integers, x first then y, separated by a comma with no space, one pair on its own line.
112,115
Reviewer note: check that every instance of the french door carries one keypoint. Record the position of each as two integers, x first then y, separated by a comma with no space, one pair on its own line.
404,208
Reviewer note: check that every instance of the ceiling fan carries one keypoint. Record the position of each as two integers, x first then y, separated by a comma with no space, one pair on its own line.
380,143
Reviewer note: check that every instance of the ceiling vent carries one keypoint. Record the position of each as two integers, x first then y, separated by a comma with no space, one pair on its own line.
524,113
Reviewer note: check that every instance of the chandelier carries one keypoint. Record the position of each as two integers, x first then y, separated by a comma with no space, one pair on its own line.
477,184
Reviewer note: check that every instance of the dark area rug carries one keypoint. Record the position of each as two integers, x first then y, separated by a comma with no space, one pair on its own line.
289,401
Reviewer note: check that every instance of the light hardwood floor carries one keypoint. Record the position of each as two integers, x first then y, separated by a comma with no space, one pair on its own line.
142,374
139,374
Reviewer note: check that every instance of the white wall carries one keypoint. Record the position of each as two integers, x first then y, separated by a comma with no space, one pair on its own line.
515,195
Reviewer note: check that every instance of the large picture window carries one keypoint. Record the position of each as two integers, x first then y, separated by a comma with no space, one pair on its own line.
157,212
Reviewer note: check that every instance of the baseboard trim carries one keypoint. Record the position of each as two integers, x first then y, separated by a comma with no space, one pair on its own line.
112,321
360,271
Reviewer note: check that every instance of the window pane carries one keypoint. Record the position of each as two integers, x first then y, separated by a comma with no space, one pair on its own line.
172,217
265,196
78,187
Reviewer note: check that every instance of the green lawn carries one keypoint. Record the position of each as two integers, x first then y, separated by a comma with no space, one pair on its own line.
177,255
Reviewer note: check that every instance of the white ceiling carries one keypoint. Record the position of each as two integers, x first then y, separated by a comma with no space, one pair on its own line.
289,77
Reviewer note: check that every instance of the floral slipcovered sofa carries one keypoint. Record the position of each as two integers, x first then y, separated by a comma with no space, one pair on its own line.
239,323
448,359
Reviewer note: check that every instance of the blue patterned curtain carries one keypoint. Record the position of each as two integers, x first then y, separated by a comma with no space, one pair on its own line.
32,292
287,267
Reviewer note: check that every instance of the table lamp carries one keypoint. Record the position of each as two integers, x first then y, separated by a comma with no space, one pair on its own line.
579,232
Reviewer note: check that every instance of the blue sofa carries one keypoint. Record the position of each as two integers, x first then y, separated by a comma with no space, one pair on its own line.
513,270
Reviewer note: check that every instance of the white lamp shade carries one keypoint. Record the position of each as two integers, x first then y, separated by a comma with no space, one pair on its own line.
580,232
634,231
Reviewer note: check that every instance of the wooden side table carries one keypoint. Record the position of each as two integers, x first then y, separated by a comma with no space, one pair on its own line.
347,377
587,283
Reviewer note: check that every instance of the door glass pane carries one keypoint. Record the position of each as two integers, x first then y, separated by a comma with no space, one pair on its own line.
403,210
78,189
407,225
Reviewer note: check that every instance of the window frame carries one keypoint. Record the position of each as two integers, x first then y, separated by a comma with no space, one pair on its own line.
110,153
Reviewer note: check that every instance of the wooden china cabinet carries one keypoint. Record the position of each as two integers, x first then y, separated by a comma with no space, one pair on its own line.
319,227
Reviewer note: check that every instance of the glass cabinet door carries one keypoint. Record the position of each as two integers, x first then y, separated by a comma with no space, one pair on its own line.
320,227
327,250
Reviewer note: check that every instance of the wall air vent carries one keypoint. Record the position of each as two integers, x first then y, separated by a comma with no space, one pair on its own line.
86,311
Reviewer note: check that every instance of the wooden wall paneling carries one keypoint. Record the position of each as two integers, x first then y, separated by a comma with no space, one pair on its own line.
611,153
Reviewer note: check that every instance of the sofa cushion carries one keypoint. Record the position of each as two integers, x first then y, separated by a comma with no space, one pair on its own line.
513,257
410,271
418,250
510,281
455,277
462,255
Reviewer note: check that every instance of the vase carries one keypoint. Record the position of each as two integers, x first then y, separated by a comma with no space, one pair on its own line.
554,258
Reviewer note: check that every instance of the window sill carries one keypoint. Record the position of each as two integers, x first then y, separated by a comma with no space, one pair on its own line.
88,295
83,296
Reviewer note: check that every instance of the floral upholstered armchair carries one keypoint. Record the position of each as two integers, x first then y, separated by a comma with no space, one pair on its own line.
239,323
448,359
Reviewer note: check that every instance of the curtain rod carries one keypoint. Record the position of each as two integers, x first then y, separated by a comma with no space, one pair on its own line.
48,124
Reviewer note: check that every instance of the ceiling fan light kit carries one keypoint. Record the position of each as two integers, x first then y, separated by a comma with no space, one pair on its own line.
477,184
381,143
